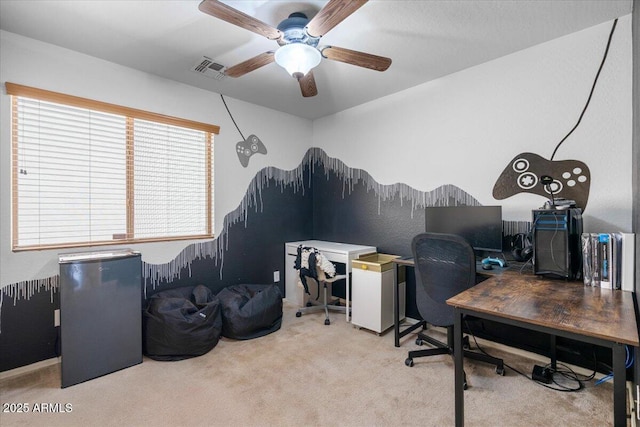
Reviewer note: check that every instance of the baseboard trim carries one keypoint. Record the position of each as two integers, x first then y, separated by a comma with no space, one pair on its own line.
29,368
632,410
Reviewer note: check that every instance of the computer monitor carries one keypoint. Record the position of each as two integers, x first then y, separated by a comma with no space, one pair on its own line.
481,226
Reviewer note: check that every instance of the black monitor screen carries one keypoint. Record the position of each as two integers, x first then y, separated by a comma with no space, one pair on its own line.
481,226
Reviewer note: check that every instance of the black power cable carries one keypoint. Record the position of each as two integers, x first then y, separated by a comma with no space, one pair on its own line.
232,119
593,87
566,374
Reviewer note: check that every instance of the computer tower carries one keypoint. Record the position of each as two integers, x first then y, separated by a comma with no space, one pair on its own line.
556,242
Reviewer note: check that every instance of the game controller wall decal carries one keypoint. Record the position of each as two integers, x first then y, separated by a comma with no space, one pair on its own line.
565,183
248,146
570,179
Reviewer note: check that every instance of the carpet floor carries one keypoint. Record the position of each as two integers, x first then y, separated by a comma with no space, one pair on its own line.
305,374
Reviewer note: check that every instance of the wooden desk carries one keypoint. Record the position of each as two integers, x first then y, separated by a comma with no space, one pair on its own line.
407,262
556,307
334,252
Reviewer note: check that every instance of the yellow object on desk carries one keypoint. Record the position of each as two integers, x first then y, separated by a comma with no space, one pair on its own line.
374,262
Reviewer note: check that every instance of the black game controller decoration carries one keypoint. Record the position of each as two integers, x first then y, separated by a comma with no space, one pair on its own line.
571,179
248,148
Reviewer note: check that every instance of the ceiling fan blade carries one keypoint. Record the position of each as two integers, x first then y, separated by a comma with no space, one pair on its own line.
361,59
250,64
308,85
331,15
235,17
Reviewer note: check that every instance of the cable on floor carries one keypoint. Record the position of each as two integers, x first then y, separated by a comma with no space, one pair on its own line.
567,380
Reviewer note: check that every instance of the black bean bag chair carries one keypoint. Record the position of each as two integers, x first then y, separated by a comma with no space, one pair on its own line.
181,323
250,311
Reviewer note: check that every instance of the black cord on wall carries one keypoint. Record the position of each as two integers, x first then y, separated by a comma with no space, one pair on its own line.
604,58
232,119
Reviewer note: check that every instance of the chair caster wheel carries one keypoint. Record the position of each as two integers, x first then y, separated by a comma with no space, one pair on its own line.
309,304
465,343
465,386
500,370
327,322
298,314
409,362
418,341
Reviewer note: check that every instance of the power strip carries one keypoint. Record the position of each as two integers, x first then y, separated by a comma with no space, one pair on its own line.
540,374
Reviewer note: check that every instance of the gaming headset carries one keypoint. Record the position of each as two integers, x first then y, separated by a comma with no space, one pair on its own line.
522,247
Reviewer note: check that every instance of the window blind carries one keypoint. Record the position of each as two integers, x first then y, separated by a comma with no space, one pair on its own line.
84,177
170,180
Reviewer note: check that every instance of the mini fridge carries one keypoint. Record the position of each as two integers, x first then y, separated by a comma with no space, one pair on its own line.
100,313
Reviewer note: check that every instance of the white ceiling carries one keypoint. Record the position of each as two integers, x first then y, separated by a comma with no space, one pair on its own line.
425,39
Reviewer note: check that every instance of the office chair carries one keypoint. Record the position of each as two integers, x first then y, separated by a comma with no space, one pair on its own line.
445,265
312,265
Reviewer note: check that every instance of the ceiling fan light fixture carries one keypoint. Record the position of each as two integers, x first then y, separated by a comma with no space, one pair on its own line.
297,58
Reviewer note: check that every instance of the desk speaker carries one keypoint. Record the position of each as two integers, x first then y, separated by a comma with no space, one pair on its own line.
556,242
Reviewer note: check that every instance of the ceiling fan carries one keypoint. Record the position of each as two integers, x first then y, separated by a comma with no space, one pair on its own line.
298,38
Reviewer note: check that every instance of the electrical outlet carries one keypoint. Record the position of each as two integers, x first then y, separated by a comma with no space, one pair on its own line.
56,317
276,276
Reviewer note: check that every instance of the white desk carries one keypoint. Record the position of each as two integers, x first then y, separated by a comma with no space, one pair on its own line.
334,252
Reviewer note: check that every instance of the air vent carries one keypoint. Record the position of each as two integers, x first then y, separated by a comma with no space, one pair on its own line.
209,68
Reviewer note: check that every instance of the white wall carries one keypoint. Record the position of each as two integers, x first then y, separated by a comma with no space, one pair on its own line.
32,63
462,129
465,128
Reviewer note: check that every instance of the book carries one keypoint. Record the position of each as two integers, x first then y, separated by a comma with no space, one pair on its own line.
595,260
587,264
627,261
604,265
608,260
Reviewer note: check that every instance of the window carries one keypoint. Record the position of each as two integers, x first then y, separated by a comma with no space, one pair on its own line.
87,173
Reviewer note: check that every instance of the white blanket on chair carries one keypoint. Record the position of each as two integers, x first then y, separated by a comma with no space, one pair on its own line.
321,262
